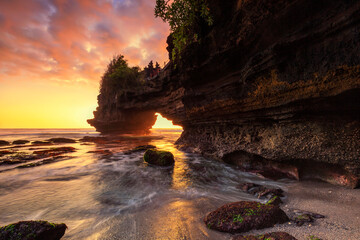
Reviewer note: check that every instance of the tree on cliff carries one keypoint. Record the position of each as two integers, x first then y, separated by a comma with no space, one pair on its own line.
119,75
186,18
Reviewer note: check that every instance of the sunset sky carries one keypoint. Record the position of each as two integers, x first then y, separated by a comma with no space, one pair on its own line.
53,53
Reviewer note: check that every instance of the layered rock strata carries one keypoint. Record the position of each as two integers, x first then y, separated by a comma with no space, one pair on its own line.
273,84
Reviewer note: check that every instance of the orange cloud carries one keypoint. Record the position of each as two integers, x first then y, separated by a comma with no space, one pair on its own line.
69,43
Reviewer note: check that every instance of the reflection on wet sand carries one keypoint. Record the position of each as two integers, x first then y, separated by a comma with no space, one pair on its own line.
182,219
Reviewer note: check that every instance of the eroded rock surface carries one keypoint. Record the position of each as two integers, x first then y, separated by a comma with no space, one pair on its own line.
278,81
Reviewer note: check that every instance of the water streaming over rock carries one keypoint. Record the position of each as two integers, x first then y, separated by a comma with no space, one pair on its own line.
118,195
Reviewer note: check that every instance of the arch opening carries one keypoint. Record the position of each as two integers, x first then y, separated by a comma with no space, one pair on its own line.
162,122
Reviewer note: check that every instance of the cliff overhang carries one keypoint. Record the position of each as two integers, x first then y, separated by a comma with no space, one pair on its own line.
273,81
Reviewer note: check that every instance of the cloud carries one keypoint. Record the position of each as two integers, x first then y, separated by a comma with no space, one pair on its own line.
67,40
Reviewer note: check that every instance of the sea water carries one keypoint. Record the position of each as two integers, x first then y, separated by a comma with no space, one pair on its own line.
119,196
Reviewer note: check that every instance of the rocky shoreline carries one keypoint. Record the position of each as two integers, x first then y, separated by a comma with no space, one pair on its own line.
273,83
294,213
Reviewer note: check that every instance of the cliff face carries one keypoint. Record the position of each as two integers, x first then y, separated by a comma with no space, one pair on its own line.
275,85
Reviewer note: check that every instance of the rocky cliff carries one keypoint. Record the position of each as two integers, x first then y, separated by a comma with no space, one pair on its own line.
273,86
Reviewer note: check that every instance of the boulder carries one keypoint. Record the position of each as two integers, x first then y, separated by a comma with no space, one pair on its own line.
94,139
20,142
301,217
54,151
271,194
159,158
239,217
17,157
267,236
41,143
30,230
61,140
3,143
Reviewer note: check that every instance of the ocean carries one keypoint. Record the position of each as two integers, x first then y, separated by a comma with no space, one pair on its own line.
101,191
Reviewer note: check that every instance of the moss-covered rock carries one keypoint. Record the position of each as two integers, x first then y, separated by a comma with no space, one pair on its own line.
32,230
159,158
303,218
271,194
244,216
267,236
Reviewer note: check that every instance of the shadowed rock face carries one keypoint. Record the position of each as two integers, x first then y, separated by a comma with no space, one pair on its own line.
276,80
125,122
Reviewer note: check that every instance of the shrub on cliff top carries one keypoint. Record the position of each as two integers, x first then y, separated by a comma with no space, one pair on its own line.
187,19
120,76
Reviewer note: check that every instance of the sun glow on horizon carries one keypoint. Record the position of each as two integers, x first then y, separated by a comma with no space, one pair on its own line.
162,122
44,105
50,68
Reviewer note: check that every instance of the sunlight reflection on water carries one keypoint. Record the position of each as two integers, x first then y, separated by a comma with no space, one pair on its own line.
119,196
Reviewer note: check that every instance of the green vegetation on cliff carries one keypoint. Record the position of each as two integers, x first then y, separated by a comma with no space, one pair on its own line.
187,20
120,76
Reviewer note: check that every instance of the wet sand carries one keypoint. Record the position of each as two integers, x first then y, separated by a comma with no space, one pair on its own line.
179,219
340,206
118,196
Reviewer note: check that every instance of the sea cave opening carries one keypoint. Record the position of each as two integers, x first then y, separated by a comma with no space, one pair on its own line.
162,122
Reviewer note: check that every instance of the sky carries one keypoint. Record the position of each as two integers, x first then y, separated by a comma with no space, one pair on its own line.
53,53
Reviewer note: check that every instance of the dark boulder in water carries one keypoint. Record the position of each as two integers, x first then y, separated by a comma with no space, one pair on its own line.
272,236
244,216
41,143
30,230
61,140
20,142
54,151
17,157
3,143
94,139
159,158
